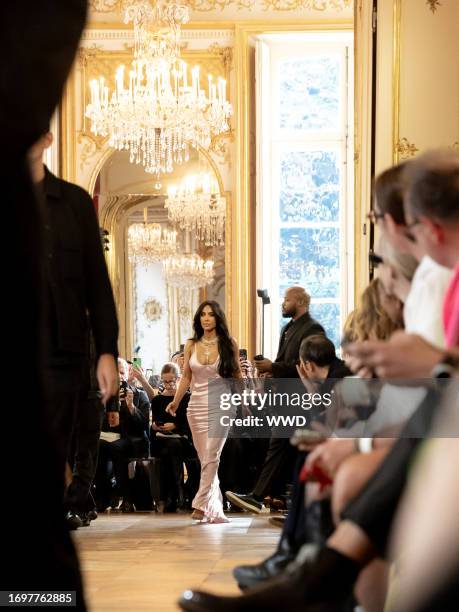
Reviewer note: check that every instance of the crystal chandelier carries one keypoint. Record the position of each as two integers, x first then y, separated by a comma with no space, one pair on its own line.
157,113
188,271
149,242
197,206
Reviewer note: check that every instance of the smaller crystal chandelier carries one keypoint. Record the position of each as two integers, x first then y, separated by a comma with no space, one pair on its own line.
188,271
149,242
197,206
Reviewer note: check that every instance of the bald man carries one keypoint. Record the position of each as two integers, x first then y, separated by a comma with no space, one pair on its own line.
278,465
295,307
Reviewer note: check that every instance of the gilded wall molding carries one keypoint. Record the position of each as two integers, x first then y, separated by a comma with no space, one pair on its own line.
397,17
220,146
433,4
311,5
90,146
406,149
106,6
95,33
226,54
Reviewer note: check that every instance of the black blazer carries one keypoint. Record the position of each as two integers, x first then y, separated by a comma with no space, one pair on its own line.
132,425
76,274
289,345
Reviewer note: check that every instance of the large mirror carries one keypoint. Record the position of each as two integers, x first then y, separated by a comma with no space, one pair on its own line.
156,305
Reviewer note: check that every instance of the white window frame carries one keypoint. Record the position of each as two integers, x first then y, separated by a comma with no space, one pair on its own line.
271,141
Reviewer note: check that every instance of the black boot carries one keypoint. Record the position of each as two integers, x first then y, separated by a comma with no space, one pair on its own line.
323,585
249,575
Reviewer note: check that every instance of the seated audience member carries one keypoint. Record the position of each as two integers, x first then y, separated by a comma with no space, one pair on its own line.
170,440
319,366
119,444
432,198
137,378
370,320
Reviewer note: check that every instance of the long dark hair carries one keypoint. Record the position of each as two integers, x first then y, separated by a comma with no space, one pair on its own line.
227,366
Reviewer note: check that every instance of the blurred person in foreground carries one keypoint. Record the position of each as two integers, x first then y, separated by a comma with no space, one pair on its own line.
432,197
40,40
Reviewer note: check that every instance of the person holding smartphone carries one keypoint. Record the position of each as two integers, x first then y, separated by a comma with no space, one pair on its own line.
125,440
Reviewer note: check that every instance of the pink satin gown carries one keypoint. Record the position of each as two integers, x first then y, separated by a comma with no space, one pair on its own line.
208,498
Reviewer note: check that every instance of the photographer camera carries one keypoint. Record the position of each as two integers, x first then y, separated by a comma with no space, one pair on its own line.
121,441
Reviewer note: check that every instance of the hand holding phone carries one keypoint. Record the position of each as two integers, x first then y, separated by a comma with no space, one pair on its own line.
123,389
307,438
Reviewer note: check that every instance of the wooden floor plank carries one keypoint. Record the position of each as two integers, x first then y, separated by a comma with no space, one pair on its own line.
144,561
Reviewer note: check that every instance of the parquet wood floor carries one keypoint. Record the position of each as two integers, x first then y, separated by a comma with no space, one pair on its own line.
144,561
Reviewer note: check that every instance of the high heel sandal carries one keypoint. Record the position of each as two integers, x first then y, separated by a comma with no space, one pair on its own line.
197,515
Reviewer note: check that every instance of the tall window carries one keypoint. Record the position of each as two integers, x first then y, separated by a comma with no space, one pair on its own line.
304,201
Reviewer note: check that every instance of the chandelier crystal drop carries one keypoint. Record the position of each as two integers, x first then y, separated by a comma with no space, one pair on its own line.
149,242
197,206
188,271
158,109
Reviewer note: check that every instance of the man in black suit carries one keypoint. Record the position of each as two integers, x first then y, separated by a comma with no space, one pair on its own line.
280,456
78,293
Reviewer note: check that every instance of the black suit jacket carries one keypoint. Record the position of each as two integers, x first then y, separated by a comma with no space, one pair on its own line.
132,425
289,345
77,276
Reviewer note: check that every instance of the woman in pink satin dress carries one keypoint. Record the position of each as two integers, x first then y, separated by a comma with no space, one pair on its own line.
210,354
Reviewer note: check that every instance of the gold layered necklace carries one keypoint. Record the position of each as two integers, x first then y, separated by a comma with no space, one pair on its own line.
207,346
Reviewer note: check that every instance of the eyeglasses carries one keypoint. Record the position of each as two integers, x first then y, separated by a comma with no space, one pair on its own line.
408,227
373,216
374,259
168,382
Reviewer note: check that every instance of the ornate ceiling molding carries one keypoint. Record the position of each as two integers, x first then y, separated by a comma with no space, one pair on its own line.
95,33
206,6
270,5
106,6
311,5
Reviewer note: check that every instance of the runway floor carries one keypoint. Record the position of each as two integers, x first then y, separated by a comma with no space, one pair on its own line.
144,561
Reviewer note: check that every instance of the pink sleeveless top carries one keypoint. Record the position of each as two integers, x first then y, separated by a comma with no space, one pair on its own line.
200,380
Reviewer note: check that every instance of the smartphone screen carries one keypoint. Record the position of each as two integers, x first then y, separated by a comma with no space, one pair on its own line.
137,361
243,353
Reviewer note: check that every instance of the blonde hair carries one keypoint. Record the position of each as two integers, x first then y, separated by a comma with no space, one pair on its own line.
369,321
